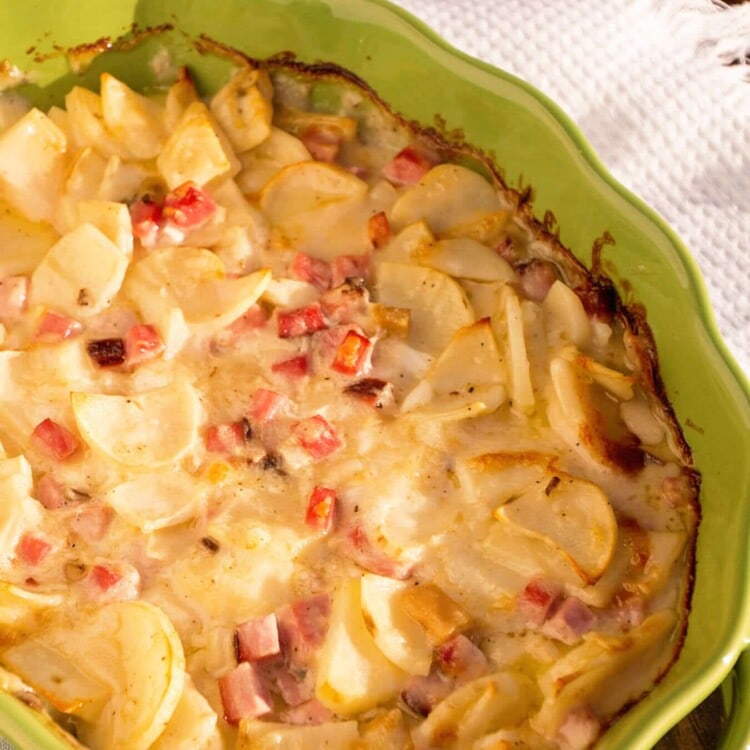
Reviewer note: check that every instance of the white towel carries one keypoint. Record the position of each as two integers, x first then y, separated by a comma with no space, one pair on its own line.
661,89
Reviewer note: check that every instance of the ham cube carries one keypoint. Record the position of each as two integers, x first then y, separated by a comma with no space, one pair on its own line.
243,694
188,206
358,547
142,343
257,638
422,693
296,367
314,271
408,166
92,522
300,322
460,659
228,439
322,142
54,440
264,405
32,549
303,625
349,267
569,621
54,327
537,600
321,508
146,219
50,493
317,437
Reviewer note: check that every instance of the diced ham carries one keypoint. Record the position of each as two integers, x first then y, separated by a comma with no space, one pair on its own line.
243,694
460,659
254,317
303,625
536,601
146,219
629,610
50,493
107,352
321,509
142,344
91,521
228,439
264,405
14,291
349,267
188,206
378,230
353,356
110,581
54,327
322,142
314,271
359,548
373,391
316,436
300,322
569,621
536,278
308,713
54,440
295,683
579,730
32,548
421,694
257,638
408,166
295,367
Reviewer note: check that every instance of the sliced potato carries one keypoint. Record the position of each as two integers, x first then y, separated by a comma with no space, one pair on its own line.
605,672
195,150
19,606
308,186
192,724
112,219
149,429
522,391
268,735
133,119
448,196
396,634
32,163
413,241
468,373
429,606
565,317
503,699
81,273
180,95
487,230
465,258
353,674
25,242
18,511
260,164
571,515
617,383
243,108
438,304
86,118
298,121
155,500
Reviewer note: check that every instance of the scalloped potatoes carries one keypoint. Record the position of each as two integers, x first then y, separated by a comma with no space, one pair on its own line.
316,437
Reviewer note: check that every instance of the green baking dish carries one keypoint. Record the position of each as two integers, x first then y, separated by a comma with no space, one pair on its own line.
535,144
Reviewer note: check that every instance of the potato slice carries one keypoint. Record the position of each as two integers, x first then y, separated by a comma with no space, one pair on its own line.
571,515
396,634
111,218
487,230
19,606
149,429
57,677
268,735
133,119
32,163
25,242
435,611
18,511
522,391
193,723
468,373
243,108
260,164
196,150
503,699
411,242
606,672
155,500
353,674
465,258
81,273
438,304
447,196
86,118
308,186
132,647
565,317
